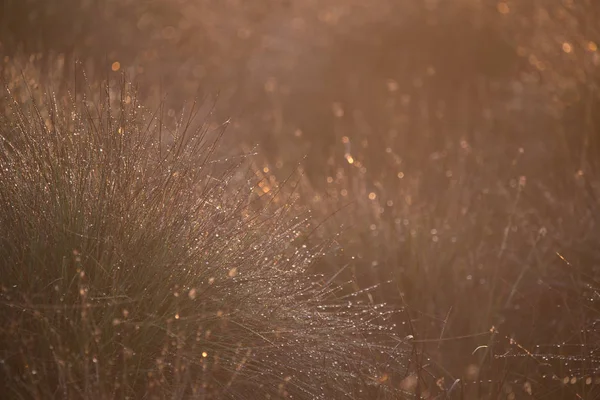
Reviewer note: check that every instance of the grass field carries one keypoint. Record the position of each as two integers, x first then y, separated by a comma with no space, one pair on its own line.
383,200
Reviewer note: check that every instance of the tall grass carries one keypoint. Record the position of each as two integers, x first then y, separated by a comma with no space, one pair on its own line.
456,143
137,263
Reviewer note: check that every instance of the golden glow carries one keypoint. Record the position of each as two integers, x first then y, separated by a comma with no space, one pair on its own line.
503,8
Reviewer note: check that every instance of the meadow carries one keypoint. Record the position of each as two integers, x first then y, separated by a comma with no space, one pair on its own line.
299,199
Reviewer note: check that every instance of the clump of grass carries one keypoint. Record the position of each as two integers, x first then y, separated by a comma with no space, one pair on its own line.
136,263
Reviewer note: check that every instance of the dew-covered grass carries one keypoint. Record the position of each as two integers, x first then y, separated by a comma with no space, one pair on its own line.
448,152
136,263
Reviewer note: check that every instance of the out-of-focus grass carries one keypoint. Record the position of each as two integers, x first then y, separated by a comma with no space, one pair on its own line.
455,144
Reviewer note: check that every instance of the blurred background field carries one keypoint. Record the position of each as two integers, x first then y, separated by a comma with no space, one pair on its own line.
450,148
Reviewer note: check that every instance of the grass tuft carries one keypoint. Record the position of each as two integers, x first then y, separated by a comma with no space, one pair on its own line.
137,263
